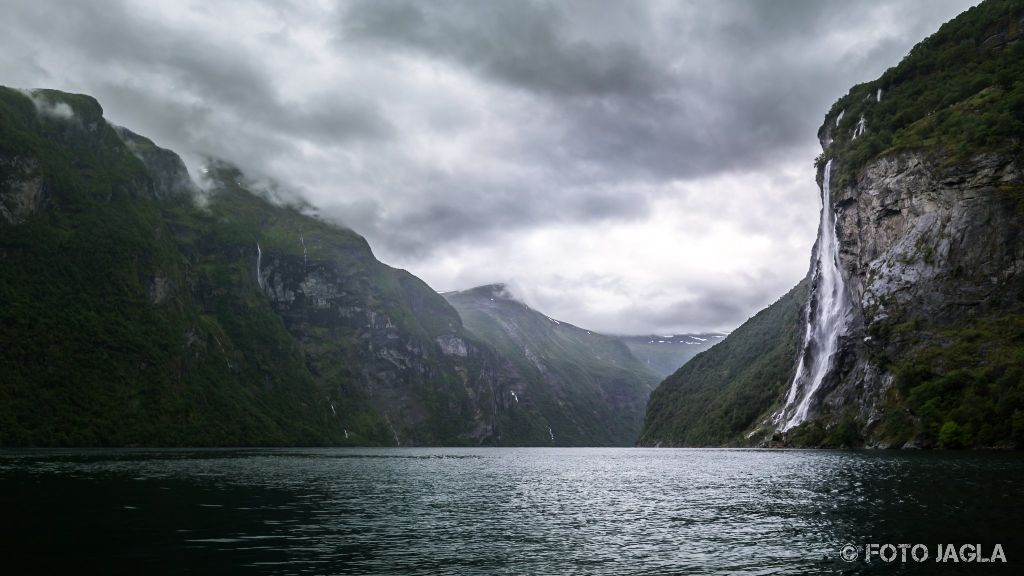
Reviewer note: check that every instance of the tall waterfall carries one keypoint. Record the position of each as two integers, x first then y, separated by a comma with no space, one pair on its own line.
259,263
827,318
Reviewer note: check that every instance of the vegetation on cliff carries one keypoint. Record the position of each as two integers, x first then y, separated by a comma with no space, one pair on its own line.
960,90
96,348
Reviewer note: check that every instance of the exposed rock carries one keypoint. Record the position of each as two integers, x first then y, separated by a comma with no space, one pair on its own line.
169,177
21,188
452,345
160,289
921,241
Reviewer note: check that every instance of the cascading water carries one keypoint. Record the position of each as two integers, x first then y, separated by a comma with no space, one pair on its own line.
859,129
827,320
259,263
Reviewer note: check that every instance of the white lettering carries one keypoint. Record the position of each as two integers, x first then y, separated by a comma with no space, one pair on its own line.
884,555
870,550
950,554
970,555
997,552
914,552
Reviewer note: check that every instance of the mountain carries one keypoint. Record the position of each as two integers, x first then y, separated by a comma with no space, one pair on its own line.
138,310
713,399
665,354
585,385
914,328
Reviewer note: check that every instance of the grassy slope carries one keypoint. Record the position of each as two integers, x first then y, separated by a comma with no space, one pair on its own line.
958,92
724,391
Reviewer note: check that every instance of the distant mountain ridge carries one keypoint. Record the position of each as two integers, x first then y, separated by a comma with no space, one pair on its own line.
665,354
588,384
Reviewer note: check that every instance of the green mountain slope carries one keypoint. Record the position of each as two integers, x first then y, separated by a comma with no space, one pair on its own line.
957,93
587,386
131,315
723,392
96,348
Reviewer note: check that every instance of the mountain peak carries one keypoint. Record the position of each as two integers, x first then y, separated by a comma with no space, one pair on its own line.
498,290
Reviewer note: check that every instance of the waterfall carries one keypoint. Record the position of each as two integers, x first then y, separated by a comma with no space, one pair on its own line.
827,318
861,125
259,262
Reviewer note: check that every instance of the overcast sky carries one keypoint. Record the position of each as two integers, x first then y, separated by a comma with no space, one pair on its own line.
630,167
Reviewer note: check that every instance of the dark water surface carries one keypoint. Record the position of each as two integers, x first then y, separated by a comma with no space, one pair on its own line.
501,511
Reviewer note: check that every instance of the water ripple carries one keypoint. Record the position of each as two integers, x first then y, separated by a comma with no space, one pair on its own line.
500,511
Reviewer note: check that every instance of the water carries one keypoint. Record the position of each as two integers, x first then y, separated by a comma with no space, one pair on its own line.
259,263
499,511
859,129
827,319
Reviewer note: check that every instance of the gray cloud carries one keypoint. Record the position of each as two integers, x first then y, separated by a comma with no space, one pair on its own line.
630,166
521,44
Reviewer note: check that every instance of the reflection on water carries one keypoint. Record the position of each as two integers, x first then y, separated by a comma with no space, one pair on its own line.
501,511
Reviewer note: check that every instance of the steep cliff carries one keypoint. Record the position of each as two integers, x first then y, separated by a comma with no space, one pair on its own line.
928,196
137,312
913,331
588,387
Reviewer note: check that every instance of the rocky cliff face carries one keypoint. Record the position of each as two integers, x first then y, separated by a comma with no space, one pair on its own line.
925,246
927,195
925,343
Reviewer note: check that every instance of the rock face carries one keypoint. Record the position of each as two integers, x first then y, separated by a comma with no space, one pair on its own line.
929,209
134,316
928,248
934,242
21,188
923,243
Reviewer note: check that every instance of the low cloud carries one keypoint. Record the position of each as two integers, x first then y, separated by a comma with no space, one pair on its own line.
49,108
